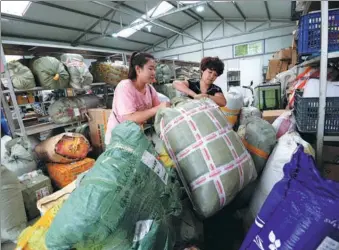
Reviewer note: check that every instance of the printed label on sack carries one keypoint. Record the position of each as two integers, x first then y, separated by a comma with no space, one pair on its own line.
150,161
142,227
76,112
41,193
328,244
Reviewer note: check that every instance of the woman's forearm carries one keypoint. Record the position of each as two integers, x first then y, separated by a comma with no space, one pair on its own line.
220,100
182,87
141,117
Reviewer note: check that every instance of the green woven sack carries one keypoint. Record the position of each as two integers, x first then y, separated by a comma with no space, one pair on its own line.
124,202
50,72
21,76
80,77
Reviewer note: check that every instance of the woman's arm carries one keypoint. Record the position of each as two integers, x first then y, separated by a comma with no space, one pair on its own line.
182,86
219,99
141,117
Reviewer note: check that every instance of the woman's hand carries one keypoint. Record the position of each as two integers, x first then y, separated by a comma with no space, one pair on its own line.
164,105
200,96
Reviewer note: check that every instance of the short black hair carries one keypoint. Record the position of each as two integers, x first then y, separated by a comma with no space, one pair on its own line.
137,59
212,63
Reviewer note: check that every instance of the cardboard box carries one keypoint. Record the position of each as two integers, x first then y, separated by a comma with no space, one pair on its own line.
271,115
285,54
98,119
294,59
275,66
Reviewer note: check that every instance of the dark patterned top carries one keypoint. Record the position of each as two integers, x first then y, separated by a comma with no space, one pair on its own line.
194,85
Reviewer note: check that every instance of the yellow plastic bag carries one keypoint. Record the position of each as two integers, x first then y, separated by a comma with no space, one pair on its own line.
33,237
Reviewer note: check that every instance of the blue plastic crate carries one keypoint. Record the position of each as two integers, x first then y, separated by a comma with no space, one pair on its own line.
309,41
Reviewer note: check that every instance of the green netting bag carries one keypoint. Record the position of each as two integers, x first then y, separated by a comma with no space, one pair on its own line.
50,72
21,76
125,201
80,77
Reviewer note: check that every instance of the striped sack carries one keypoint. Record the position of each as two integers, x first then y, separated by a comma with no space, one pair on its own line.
211,160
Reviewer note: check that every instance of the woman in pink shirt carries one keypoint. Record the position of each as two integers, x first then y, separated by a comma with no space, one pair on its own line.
134,98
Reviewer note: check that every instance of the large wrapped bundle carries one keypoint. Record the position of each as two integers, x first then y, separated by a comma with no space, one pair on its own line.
108,72
63,148
124,202
35,186
248,112
167,89
273,171
69,109
212,162
21,76
19,157
13,216
284,123
234,102
50,72
259,138
64,174
301,211
80,77
163,73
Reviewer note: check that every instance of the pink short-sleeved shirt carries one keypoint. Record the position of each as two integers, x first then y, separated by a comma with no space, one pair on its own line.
127,100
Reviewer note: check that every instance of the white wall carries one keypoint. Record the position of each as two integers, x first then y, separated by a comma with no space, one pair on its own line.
220,43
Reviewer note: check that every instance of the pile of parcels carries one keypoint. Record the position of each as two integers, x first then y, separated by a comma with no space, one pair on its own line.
67,71
281,61
153,189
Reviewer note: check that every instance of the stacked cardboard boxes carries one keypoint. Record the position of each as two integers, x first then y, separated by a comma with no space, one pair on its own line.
282,60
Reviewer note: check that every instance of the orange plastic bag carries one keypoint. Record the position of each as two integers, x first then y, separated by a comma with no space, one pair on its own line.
63,148
64,174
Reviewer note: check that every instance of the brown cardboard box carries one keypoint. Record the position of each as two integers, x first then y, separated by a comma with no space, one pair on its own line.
285,54
271,115
294,57
98,119
275,66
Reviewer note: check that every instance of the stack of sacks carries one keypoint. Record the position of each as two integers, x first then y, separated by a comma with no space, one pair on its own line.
301,211
182,73
273,171
234,102
163,73
50,72
21,76
194,73
70,109
66,156
80,77
108,72
284,123
34,186
125,201
167,89
211,160
12,209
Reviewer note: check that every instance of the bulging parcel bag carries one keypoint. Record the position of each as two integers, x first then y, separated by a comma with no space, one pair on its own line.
21,76
259,138
301,212
80,77
211,159
63,148
124,202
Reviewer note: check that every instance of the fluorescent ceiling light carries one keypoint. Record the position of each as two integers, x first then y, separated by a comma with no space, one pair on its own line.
188,2
17,8
162,8
200,8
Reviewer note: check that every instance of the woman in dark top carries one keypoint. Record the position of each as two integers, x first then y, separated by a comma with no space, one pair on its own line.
211,68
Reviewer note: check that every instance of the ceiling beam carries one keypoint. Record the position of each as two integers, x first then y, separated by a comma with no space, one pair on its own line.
239,10
144,19
215,11
89,15
267,10
28,20
185,12
142,13
169,37
165,14
249,20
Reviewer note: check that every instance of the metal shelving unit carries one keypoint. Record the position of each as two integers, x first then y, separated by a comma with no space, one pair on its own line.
23,130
